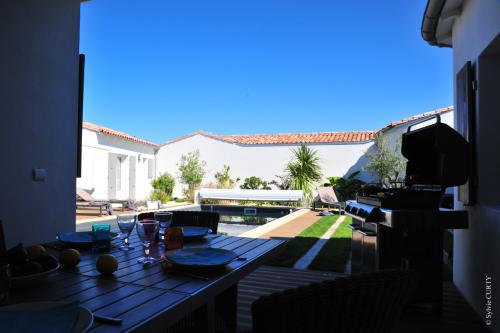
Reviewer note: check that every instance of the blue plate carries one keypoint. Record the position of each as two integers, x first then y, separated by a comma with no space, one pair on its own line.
204,258
195,232
80,237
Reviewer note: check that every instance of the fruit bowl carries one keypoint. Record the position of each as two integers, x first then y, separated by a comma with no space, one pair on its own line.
49,264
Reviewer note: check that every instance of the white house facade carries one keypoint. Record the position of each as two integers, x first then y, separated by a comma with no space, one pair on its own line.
116,165
472,29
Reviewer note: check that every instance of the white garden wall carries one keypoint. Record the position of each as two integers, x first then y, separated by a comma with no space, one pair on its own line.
264,161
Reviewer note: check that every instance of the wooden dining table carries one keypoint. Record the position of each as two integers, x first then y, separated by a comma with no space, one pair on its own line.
152,299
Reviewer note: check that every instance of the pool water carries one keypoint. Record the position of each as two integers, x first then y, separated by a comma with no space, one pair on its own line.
238,219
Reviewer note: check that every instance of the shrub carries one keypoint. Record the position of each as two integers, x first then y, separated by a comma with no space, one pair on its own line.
192,171
164,183
254,183
224,179
163,187
159,196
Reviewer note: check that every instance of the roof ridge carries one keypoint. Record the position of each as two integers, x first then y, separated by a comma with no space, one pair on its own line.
117,133
295,133
416,117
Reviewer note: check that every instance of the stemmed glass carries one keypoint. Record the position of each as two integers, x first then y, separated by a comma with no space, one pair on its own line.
126,225
147,231
165,219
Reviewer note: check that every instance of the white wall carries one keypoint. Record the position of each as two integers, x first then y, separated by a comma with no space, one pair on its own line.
264,161
394,134
96,148
476,249
38,94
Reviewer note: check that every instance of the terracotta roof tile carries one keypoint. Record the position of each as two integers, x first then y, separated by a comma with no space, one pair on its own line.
325,137
266,139
109,131
418,116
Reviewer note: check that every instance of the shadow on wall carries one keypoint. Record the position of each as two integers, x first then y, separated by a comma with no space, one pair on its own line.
360,166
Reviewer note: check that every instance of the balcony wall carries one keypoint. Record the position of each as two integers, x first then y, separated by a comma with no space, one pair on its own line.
38,127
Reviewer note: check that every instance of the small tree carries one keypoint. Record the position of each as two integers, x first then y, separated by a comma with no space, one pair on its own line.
192,171
385,164
254,183
224,179
304,171
163,187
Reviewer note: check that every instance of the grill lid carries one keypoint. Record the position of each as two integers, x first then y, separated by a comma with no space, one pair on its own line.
367,213
437,155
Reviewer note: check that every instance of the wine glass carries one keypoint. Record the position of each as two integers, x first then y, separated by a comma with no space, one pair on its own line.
165,219
147,231
126,224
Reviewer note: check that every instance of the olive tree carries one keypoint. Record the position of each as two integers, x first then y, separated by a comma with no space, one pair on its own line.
192,171
386,163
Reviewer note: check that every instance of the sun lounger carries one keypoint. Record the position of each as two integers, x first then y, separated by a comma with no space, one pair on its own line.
84,199
327,196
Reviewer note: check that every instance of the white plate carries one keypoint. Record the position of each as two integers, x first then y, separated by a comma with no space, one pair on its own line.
83,323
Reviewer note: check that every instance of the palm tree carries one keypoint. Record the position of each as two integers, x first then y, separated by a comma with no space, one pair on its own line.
304,171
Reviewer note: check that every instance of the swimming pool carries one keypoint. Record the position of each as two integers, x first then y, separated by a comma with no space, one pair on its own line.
238,219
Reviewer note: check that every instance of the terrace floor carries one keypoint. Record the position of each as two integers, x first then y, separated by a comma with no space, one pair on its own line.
457,317
90,214
294,227
93,213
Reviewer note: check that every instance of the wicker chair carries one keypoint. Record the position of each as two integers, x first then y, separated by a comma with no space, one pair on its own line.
196,219
183,218
369,302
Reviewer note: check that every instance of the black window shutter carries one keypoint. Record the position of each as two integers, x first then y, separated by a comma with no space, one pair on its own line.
466,125
81,72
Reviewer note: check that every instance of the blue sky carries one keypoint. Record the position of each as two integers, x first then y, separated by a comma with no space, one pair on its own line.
162,69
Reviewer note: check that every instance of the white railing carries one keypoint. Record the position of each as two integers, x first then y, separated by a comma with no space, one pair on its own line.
249,195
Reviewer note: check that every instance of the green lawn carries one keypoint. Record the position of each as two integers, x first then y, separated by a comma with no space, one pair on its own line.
299,245
335,253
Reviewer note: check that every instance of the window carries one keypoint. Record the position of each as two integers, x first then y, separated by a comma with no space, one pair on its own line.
150,168
119,174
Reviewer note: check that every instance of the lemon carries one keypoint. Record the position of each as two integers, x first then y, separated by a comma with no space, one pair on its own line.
69,257
35,251
106,264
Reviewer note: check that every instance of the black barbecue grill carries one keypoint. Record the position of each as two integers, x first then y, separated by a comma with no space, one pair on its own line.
402,225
